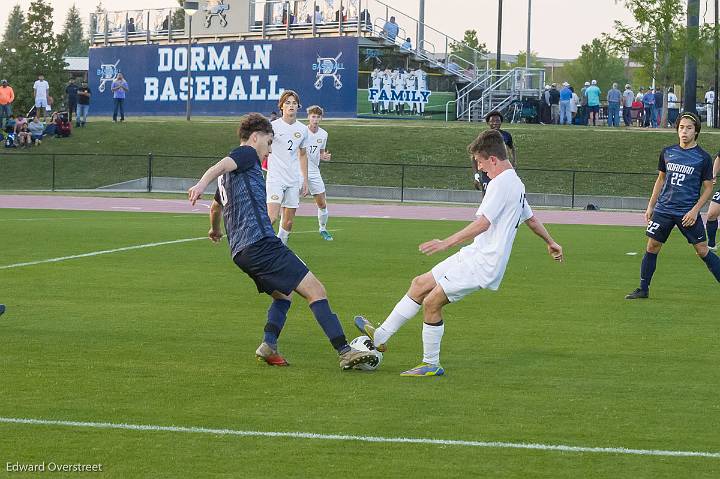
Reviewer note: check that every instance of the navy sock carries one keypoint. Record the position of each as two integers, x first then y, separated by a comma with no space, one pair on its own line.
712,227
330,324
713,264
277,314
647,269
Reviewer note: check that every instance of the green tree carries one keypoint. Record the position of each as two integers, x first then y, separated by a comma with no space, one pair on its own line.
596,62
76,43
534,62
41,53
469,49
657,40
14,28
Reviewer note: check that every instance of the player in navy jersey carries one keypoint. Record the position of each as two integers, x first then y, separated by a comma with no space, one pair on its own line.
683,186
276,270
714,211
494,120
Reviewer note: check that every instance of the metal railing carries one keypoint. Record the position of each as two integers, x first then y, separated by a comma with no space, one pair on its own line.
395,181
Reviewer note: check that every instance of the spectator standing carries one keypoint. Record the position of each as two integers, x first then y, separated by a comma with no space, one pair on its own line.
83,104
71,90
36,128
565,108
119,88
131,25
318,15
407,44
41,91
593,98
391,29
545,112
583,104
554,97
627,101
672,106
649,105
574,102
7,96
709,105
659,107
613,98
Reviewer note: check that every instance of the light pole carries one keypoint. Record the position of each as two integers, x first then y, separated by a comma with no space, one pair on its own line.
499,35
191,9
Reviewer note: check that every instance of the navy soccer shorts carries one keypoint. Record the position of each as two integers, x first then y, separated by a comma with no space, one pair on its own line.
661,225
716,197
272,265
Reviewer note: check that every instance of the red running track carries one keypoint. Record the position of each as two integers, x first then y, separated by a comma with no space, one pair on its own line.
353,210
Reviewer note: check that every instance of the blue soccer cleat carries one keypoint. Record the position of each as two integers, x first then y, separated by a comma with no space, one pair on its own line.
2,309
326,235
367,328
424,369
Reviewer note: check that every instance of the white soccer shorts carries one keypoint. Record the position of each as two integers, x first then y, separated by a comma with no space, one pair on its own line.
287,196
456,277
316,184
41,103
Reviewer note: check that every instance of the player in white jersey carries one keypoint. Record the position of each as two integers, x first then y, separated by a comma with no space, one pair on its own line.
387,89
287,165
317,152
410,87
398,84
421,77
480,265
376,79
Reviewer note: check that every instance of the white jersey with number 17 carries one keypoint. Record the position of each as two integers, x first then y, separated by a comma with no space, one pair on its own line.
284,162
316,142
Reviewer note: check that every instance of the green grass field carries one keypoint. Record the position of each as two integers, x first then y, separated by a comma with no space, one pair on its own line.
353,142
165,336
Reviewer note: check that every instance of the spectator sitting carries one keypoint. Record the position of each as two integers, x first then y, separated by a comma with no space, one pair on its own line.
10,125
19,122
51,127
131,26
391,29
63,128
407,44
37,130
23,136
453,67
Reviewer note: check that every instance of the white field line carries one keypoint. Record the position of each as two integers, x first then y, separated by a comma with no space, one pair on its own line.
343,437
97,253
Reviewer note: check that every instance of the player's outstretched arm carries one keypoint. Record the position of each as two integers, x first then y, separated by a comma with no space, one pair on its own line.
215,234
226,165
539,229
475,228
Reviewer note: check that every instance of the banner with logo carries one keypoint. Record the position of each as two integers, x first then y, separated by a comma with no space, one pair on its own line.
229,78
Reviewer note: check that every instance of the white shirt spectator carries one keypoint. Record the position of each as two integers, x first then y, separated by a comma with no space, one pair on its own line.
41,88
710,97
672,100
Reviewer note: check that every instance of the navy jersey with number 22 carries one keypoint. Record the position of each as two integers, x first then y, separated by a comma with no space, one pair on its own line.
685,170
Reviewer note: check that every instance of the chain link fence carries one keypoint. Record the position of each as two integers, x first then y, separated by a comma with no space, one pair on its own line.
385,181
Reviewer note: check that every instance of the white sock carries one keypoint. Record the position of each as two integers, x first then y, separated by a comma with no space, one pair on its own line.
323,218
405,309
432,336
283,235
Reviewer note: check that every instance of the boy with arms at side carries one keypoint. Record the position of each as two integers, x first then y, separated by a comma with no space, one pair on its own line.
317,152
287,167
256,250
683,186
480,265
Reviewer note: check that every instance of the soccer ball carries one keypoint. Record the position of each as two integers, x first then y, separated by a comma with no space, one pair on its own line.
364,343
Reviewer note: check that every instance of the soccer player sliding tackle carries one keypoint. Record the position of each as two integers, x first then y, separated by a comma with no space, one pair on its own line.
480,265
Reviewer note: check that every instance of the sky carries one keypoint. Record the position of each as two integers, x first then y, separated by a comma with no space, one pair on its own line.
559,27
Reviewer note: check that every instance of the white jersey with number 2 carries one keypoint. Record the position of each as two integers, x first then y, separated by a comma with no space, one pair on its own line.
284,162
